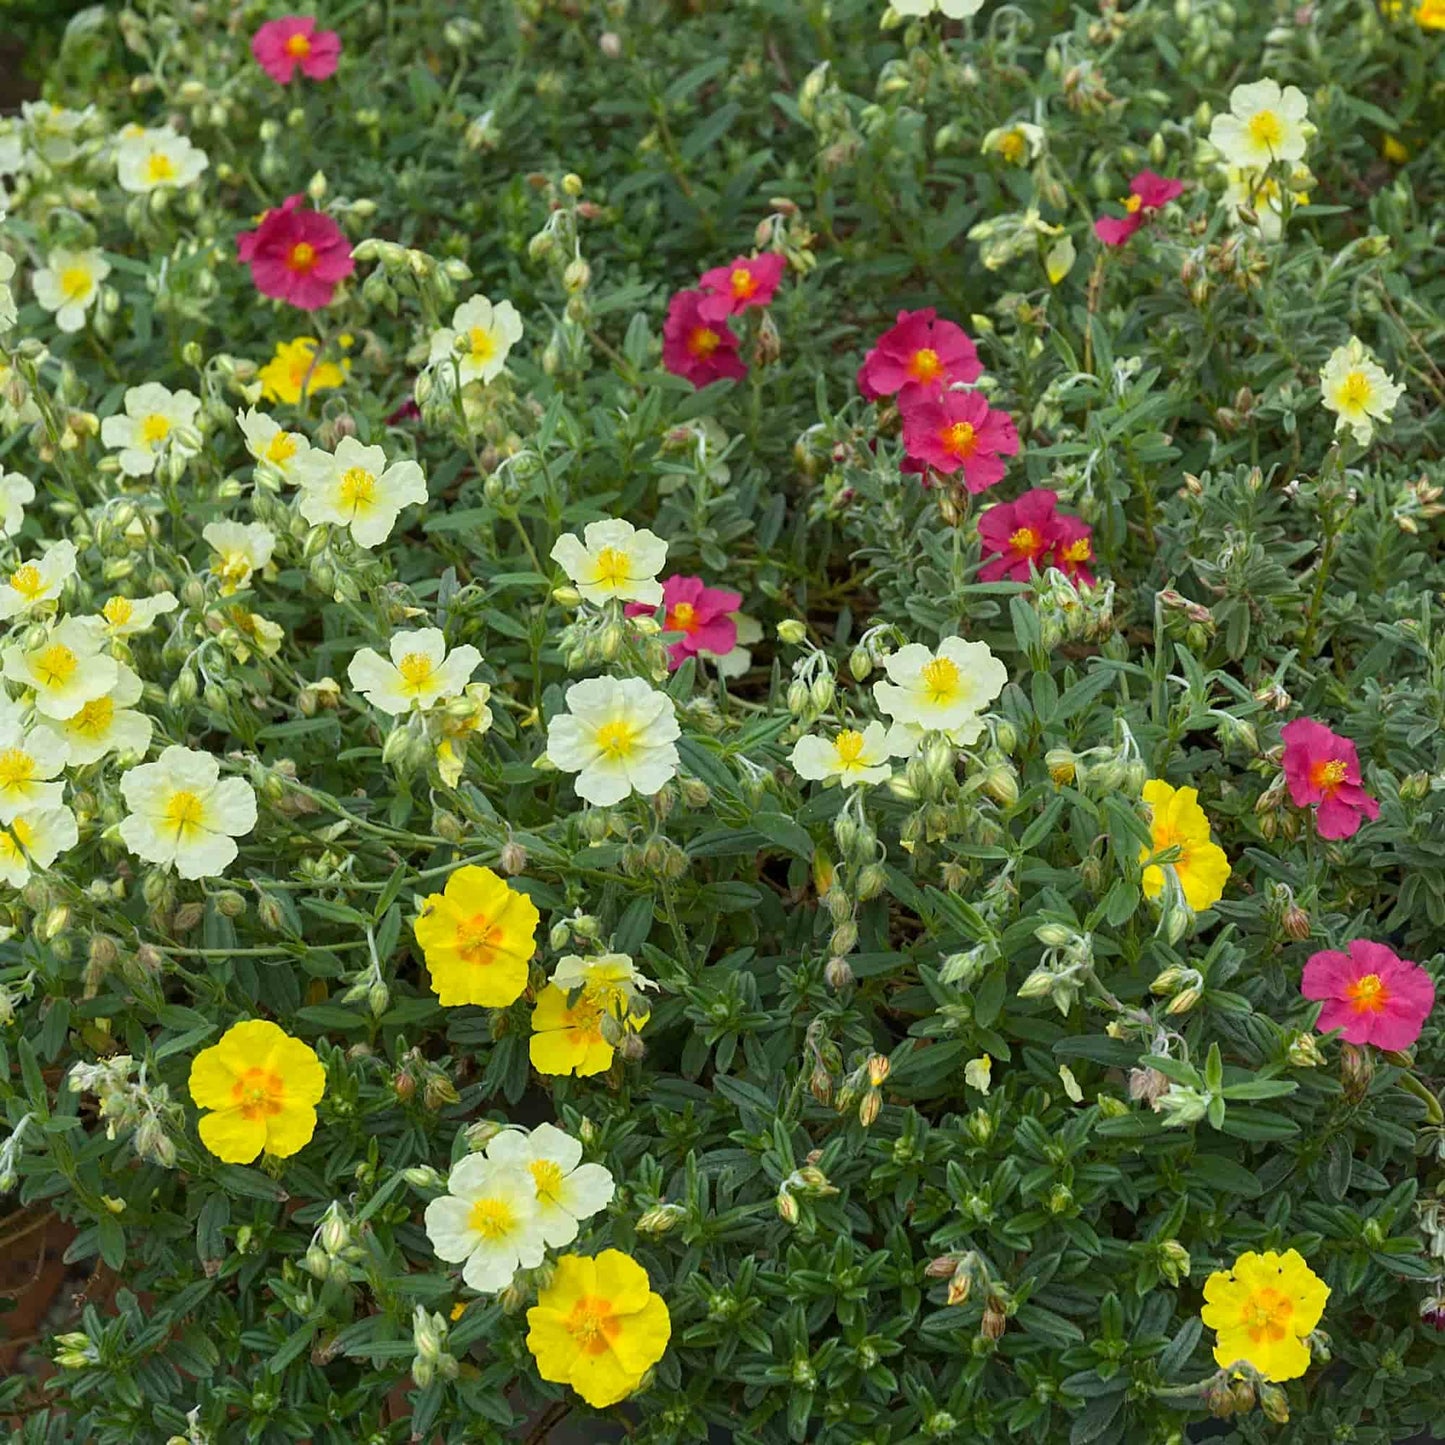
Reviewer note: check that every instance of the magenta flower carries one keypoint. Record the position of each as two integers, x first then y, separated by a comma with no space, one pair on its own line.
1369,993
920,356
297,256
747,281
695,348
1147,194
700,613
1020,533
1073,550
283,46
1322,768
958,431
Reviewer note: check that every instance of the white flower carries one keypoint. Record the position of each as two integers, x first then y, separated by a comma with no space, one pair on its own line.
67,669
486,333
740,659
1018,143
419,675
618,736
355,488
613,559
852,757
107,724
155,418
1358,390
281,451
1264,124
611,981
490,1218
33,583
12,147
155,159
953,9
29,760
943,690
568,1191
52,130
1263,195
69,284
183,813
36,838
124,616
8,314
17,491
240,548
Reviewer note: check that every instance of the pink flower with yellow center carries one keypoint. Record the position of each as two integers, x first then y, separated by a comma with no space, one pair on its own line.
297,256
701,614
1148,194
1370,994
698,349
1323,769
747,281
1020,533
958,431
918,356
292,43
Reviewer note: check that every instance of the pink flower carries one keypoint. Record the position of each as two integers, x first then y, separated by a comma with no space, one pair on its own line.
958,430
296,256
1020,532
740,284
1073,550
280,46
1375,997
693,347
1322,767
920,356
1147,193
699,613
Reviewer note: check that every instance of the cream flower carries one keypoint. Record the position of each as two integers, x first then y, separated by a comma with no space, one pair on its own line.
568,1191
124,616
612,559
158,159
851,756
486,334
8,313
953,9
610,981
39,581
17,491
1018,143
154,420
66,670
29,761
1358,390
69,284
355,488
241,548
183,813
1263,195
420,674
53,130
282,452
35,839
107,724
618,735
942,690
490,1218
1265,124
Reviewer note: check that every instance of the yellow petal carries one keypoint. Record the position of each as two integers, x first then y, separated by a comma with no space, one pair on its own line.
232,1137
290,1130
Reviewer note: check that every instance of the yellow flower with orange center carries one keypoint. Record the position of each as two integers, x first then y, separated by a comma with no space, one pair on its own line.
478,935
1263,1311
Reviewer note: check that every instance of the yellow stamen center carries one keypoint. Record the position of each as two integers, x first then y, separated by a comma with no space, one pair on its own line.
1013,147
118,611
1026,542
159,167
258,1093
182,815
491,1218
960,439
94,719
154,429
28,582
616,740
1328,776
478,940
56,665
481,344
1079,550
614,567
849,747
547,1175
75,283
416,670
703,341
281,448
1368,995
924,365
1267,1316
593,1325
17,768
1266,130
940,680
302,257
744,283
298,47
234,569
358,489
1355,391
682,618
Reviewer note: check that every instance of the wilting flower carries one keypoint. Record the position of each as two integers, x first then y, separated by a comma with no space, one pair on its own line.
568,1038
293,366
354,487
851,756
702,614
746,281
17,491
568,1191
942,690
296,255
153,160
918,355
155,420
1177,821
37,582
269,444
1018,143
618,735
613,559
30,762
488,1221
1262,195
108,724
1020,533
1358,390
1370,994
292,43
241,548
1263,1310
957,430
420,673
610,980
477,936
699,350
1148,194
65,668
35,839
261,1086
183,813
69,285
1323,769
1265,124
486,333
125,616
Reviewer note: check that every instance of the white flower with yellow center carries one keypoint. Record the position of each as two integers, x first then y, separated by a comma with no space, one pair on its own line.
35,840
1018,143
241,548
1358,390
280,451
851,756
568,1191
610,981
490,1218
66,669
107,724
1263,196
478,340
421,672
951,9
613,559
618,735
17,491
159,159
183,813
30,760
53,131
125,616
8,313
69,284
942,690
38,581
1265,124
354,487
155,420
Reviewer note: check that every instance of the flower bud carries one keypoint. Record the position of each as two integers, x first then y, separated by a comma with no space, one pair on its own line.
792,631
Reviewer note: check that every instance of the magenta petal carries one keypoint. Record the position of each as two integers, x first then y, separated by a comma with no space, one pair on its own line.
1336,819
1337,1014
1327,974
1114,231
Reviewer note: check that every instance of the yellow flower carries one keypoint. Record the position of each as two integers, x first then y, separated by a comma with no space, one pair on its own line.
1177,821
1262,1311
477,936
568,1038
262,1087
281,377
598,1327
